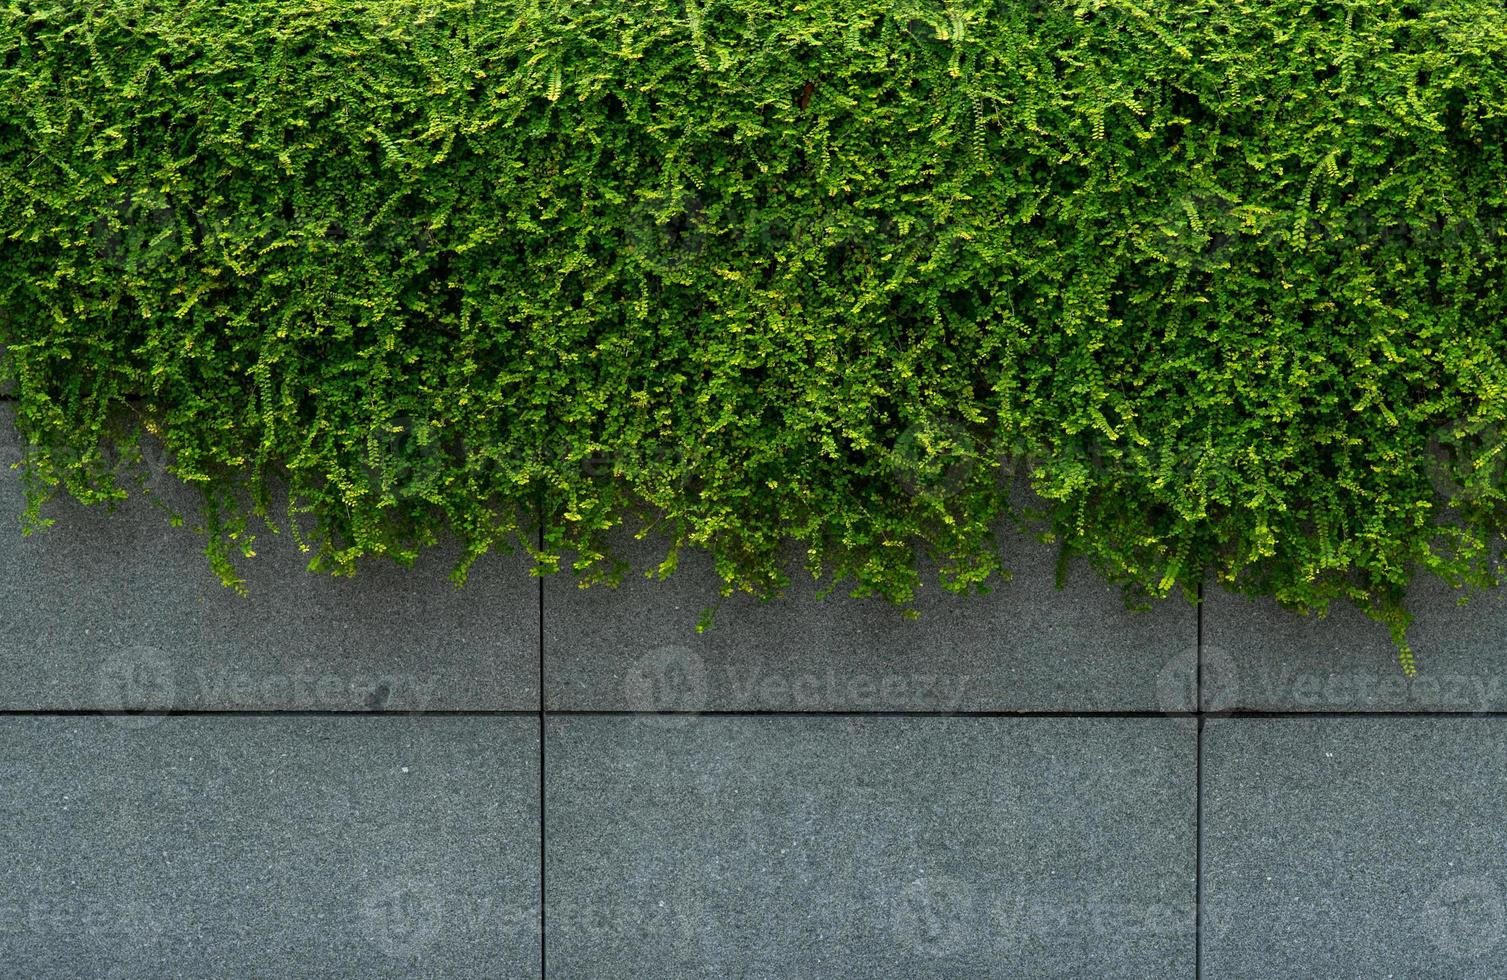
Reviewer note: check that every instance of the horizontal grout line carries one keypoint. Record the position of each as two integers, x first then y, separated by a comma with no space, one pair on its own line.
1031,713
1256,715
267,713
612,713
846,713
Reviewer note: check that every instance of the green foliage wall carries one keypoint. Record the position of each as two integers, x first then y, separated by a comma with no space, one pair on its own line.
1224,283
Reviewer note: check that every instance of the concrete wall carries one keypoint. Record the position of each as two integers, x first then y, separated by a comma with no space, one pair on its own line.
390,777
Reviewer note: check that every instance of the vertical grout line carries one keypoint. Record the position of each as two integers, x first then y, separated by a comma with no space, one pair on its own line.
1198,646
1198,854
1198,788
543,850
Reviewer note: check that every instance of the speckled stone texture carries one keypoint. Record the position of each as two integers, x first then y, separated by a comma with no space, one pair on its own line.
121,611
1262,657
338,846
1025,646
778,847
1355,847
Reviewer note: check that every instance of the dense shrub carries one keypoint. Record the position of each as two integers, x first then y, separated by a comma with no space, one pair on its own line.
1224,282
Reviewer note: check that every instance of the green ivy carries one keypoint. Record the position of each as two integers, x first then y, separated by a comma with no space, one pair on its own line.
1224,284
